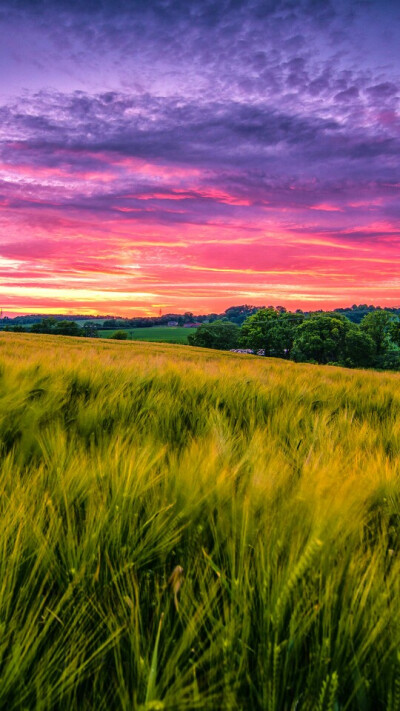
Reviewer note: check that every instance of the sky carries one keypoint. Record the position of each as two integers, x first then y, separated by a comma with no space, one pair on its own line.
190,155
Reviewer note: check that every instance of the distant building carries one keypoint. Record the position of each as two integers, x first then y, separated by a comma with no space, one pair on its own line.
191,325
172,323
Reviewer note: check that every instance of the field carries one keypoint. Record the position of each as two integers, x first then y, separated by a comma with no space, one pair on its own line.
275,486
160,334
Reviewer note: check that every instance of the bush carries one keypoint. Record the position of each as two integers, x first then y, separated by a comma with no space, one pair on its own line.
120,335
389,360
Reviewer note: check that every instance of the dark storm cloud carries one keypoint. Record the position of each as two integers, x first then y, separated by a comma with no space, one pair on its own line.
155,128
209,134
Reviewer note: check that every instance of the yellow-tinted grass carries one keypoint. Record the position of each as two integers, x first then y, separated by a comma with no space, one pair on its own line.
274,485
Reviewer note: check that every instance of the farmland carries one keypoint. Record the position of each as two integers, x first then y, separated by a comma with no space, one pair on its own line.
273,485
160,334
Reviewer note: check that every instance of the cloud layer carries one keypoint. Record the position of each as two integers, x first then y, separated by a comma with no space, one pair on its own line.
194,155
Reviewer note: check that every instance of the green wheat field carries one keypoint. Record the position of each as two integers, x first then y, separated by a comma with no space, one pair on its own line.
189,529
161,334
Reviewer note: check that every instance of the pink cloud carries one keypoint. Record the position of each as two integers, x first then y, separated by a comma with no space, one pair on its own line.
325,207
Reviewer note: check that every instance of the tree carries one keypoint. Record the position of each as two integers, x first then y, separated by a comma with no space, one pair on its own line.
238,314
90,330
378,325
321,339
188,317
359,348
67,328
58,328
333,338
46,325
283,333
120,335
394,331
257,330
223,335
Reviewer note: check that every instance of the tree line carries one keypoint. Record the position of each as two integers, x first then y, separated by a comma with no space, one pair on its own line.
358,337
321,337
54,327
235,314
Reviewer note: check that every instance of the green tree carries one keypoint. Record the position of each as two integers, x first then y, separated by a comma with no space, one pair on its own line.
359,348
120,335
219,334
90,330
67,328
378,325
332,338
46,325
238,314
283,333
257,330
321,339
389,360
394,331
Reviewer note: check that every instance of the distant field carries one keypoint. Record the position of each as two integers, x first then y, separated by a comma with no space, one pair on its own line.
160,334
81,322
273,485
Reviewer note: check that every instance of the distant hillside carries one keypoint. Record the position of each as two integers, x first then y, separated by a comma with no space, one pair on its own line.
235,314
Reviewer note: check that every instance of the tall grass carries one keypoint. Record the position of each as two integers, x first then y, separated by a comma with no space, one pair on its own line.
275,487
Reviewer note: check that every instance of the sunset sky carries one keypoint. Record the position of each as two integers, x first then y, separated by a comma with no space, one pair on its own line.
193,155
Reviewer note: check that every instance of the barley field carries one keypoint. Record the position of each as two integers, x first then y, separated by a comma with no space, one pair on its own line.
190,529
